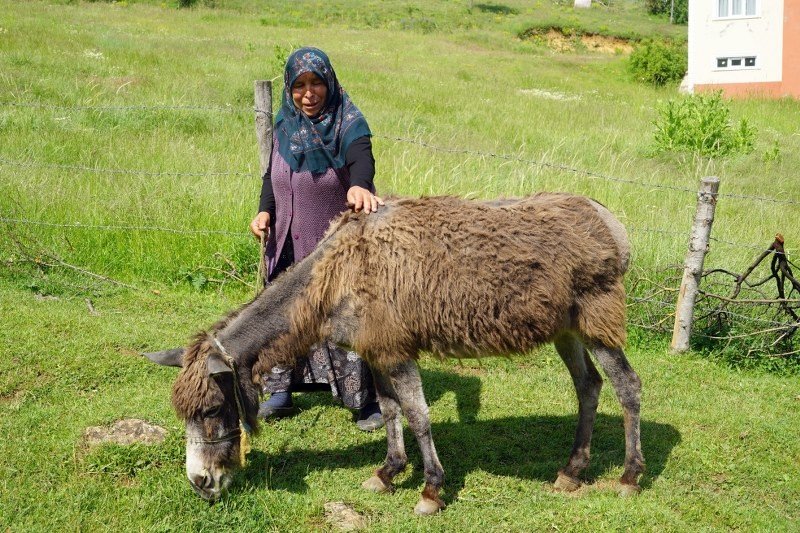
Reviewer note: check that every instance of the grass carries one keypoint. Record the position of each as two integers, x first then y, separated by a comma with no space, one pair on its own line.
711,463
479,89
451,74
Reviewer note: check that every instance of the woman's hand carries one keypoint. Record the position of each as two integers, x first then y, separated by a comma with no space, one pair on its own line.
260,225
359,198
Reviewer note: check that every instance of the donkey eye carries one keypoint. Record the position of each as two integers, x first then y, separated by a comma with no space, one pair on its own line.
214,411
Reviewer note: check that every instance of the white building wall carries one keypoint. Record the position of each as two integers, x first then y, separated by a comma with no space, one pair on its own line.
711,37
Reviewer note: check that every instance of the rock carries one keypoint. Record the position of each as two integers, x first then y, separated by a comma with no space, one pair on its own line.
125,432
343,517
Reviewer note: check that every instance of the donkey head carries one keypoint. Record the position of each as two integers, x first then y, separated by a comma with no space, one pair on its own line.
205,397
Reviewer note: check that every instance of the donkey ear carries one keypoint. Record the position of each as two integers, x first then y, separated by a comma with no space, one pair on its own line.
216,365
172,357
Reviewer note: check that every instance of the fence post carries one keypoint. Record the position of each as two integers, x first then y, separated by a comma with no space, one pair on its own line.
693,268
263,101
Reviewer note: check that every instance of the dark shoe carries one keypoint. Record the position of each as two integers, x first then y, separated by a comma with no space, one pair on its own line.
370,417
279,405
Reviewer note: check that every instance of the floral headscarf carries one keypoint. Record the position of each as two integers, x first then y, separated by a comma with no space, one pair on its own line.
321,142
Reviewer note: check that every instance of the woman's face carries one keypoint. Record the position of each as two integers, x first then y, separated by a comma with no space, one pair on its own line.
309,93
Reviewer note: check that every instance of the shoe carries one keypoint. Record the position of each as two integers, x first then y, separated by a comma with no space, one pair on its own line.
370,417
279,405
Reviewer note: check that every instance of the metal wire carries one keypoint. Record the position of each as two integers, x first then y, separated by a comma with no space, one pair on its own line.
37,105
121,227
34,164
506,157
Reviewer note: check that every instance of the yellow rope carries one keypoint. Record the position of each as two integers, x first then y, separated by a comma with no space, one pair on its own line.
244,448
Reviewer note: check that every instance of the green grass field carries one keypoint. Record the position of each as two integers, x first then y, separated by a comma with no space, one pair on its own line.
164,96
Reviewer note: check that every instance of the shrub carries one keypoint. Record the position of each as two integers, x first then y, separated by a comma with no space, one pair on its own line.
658,62
701,124
663,7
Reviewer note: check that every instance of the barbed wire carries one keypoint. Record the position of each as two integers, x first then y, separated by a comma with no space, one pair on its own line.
158,107
750,246
120,227
636,229
584,172
101,170
430,146
554,166
123,227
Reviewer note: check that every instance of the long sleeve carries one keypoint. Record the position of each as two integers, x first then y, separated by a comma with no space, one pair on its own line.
267,202
361,163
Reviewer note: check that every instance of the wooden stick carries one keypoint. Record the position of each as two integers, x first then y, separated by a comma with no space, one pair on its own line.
263,100
693,269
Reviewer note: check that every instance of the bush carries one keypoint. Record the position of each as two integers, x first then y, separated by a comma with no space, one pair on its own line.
658,62
663,7
701,124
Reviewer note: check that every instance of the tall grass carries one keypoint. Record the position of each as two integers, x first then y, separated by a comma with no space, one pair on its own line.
449,74
577,110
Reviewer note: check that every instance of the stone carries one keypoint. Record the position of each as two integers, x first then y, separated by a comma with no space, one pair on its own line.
125,432
343,517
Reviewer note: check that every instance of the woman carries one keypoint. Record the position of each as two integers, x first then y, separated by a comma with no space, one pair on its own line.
321,163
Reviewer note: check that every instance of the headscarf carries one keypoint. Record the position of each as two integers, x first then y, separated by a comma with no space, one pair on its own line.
321,142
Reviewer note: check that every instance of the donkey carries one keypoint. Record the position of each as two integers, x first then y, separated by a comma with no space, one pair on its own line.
452,277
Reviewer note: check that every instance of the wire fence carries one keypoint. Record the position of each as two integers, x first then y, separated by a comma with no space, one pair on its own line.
418,142
655,304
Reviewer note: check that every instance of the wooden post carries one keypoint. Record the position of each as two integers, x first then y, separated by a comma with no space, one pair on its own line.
263,97
263,101
693,268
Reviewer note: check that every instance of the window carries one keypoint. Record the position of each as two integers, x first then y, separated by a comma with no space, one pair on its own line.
736,8
736,63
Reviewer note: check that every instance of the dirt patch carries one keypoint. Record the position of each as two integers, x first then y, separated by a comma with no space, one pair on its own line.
12,399
125,432
343,517
606,44
563,41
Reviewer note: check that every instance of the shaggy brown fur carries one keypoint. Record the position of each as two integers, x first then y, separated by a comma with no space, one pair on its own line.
454,277
462,278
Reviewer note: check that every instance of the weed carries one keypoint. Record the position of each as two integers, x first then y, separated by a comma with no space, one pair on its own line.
772,154
658,62
701,124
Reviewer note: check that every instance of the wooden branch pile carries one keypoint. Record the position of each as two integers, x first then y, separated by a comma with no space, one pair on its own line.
772,316
756,313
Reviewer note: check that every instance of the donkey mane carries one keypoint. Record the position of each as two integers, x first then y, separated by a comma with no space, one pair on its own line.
406,302
190,392
194,392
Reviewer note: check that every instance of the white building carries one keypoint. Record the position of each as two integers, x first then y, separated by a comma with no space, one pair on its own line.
744,47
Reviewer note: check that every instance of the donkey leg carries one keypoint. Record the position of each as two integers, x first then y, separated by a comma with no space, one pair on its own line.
587,383
408,385
628,387
396,459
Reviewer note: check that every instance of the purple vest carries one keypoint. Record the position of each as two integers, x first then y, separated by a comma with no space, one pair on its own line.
305,204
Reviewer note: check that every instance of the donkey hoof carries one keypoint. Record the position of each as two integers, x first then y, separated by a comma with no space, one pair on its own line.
626,490
376,484
565,483
426,507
